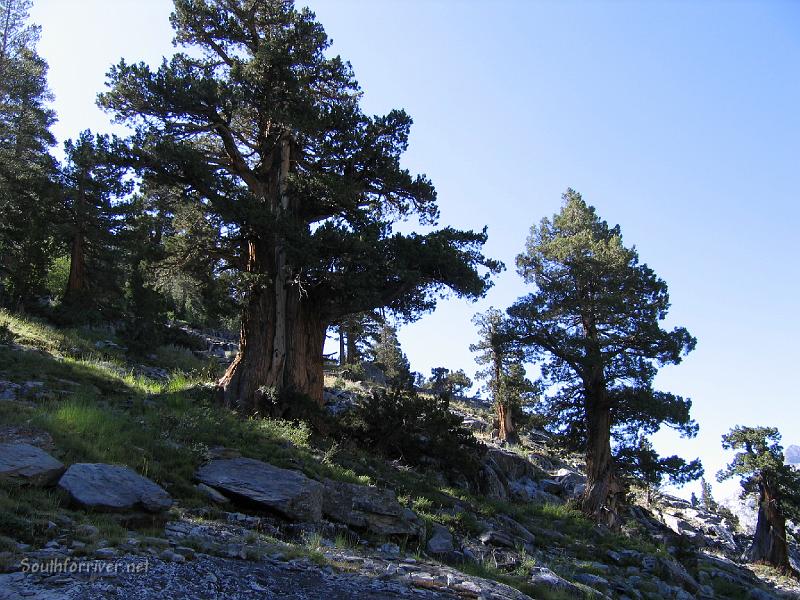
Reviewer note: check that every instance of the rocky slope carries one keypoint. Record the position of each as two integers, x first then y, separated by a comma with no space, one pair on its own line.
123,480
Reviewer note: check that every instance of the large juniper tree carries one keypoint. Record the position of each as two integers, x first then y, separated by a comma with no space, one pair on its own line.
266,127
594,320
759,463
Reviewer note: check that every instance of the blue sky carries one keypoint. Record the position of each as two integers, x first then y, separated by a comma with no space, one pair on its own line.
677,120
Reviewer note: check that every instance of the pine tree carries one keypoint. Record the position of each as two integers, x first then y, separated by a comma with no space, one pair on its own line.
594,320
707,497
266,128
28,199
503,373
93,183
760,465
388,354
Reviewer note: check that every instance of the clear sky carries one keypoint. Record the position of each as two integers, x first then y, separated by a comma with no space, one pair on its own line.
678,120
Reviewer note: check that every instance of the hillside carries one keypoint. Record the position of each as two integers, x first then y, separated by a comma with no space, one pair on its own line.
217,506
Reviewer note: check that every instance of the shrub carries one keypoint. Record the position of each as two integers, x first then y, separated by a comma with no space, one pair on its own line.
420,430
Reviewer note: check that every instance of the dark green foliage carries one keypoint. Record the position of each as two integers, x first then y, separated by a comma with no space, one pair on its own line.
707,497
594,322
641,464
760,461
28,192
389,356
418,429
263,129
503,372
444,382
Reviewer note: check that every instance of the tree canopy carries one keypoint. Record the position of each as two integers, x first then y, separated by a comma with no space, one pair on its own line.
593,322
759,463
265,129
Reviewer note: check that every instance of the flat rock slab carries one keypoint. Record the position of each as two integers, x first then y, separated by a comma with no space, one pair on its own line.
114,488
287,492
28,464
373,509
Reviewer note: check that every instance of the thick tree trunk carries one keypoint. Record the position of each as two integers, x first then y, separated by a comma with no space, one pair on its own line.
769,542
274,361
342,353
505,419
282,334
78,282
602,488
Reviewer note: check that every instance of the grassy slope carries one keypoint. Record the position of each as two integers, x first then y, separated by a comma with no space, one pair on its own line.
163,429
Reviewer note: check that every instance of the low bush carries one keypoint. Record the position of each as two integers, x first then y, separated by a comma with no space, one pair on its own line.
418,429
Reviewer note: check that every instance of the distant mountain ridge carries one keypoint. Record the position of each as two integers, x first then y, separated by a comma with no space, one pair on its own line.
792,454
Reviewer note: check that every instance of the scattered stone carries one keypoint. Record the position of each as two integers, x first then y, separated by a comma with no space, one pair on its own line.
28,464
87,531
369,508
591,580
496,538
9,390
105,553
212,494
441,542
111,487
170,556
542,576
289,493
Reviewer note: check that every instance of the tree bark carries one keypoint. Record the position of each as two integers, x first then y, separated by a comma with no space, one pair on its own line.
280,352
78,282
342,353
602,488
282,333
505,419
769,542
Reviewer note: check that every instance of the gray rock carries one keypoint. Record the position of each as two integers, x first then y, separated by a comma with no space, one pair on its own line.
369,508
288,493
492,486
510,464
111,487
441,542
9,390
544,577
677,574
212,494
496,538
591,580
28,464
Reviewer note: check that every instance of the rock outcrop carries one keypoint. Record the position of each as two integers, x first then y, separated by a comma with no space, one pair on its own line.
283,491
28,464
371,509
110,487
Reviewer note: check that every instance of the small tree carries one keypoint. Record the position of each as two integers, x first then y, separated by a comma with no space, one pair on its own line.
759,464
444,382
92,180
503,373
594,320
640,463
706,497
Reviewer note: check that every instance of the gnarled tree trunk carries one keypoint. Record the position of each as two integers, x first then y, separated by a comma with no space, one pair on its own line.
769,541
280,351
602,488
282,334
507,431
